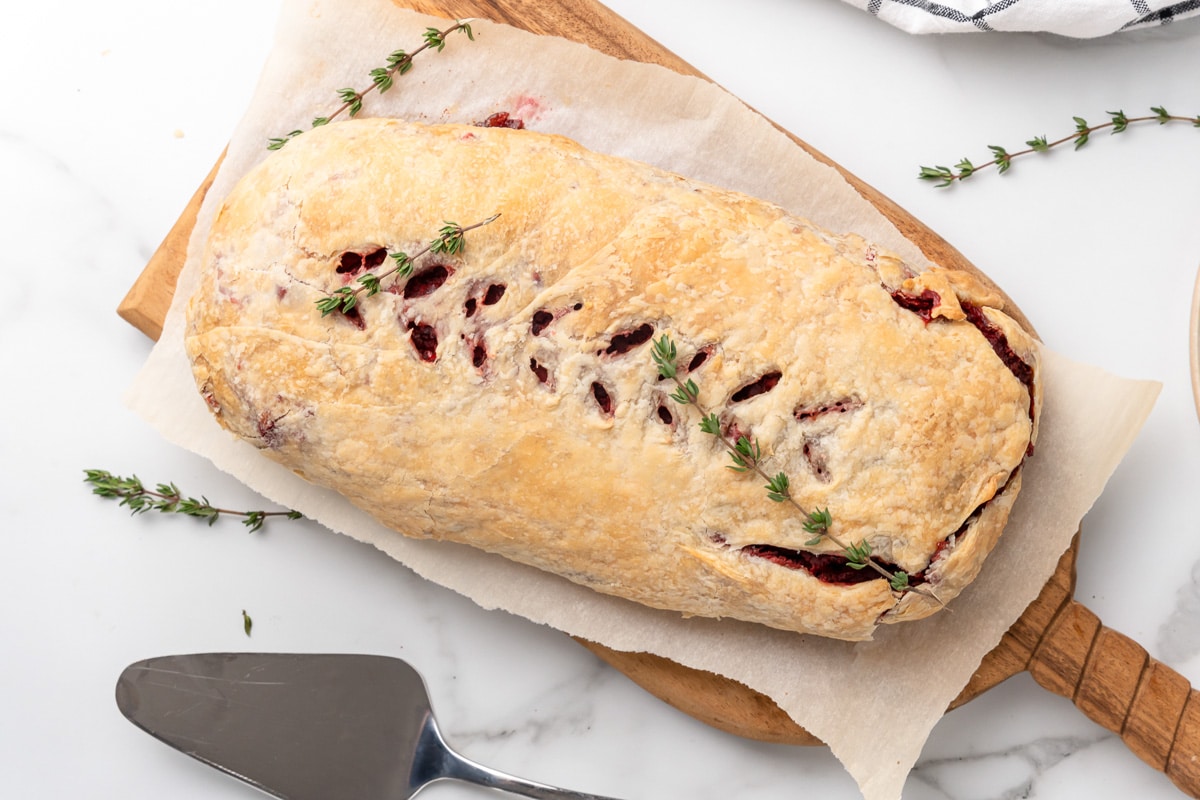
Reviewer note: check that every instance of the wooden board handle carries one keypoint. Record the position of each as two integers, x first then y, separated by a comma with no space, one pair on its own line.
1116,683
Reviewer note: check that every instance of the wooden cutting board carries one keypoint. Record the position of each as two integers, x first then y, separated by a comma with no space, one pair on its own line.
1058,640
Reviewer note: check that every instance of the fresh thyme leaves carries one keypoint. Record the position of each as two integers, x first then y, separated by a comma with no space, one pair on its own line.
817,523
859,555
747,456
777,488
382,78
450,240
168,499
247,623
1118,121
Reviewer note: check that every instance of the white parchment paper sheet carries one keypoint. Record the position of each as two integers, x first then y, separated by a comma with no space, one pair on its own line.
693,128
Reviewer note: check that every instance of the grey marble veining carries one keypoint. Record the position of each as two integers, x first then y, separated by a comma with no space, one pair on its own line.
1179,636
1007,774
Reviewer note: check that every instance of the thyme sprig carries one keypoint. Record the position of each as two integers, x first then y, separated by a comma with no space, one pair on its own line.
398,63
451,240
168,499
747,456
1002,159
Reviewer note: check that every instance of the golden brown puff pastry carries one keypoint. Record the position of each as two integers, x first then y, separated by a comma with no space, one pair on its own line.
505,397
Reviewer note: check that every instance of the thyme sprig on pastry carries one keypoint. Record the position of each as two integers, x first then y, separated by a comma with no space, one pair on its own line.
747,456
399,62
168,499
1002,159
451,240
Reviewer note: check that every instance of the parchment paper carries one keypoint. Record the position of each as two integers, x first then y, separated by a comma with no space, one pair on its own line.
690,127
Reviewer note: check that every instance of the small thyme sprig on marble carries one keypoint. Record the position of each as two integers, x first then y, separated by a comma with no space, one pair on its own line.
168,499
1002,158
382,78
450,240
747,457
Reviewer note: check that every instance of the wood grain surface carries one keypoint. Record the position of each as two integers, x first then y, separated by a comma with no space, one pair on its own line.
1063,644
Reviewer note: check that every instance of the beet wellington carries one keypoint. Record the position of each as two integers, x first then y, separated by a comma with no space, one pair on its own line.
505,395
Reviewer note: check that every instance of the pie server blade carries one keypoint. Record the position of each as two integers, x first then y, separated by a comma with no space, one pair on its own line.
304,726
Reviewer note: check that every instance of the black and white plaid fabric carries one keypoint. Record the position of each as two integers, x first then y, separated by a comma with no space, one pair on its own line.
1076,18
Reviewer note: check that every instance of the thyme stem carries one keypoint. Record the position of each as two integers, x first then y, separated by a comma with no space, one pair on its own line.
1002,160
382,78
168,499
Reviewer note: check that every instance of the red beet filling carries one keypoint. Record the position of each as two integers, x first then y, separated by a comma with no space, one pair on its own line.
624,342
761,386
805,414
425,340
541,320
999,343
734,432
493,294
350,263
501,119
541,372
469,307
698,360
355,318
426,281
603,400
479,356
665,416
375,258
828,567
921,304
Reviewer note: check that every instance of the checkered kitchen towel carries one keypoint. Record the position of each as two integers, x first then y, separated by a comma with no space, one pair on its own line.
1075,18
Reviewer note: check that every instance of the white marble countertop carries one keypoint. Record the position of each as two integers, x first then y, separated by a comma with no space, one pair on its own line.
114,113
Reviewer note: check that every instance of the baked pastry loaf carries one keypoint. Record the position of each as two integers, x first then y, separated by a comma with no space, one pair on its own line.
505,396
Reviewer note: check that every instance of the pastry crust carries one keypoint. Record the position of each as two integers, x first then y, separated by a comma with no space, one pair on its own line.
530,421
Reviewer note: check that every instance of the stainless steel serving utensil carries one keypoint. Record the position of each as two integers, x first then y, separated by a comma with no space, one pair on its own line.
306,727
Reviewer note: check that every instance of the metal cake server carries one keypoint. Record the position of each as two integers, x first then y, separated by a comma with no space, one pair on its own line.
307,727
